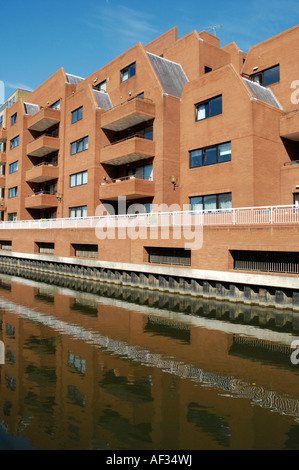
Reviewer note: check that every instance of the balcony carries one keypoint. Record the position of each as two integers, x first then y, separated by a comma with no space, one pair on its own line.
3,134
42,146
41,200
289,126
128,150
130,187
128,114
2,158
44,119
41,173
2,181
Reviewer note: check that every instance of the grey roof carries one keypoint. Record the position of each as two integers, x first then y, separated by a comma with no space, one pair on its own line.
31,108
73,79
171,75
103,99
263,94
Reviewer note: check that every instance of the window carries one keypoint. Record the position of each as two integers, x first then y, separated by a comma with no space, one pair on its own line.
86,251
13,119
142,172
78,179
13,192
296,199
14,142
101,86
78,212
209,108
268,76
267,261
128,72
45,248
2,169
172,256
146,133
6,245
55,105
208,69
79,146
12,217
211,202
13,167
77,115
210,155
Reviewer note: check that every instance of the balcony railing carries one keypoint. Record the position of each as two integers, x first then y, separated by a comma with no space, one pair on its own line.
267,215
132,148
44,119
128,114
132,187
42,172
43,145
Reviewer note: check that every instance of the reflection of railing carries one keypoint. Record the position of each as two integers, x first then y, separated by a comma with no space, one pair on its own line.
236,216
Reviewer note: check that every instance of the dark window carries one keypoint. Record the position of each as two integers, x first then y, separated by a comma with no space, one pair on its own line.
12,216
209,108
55,105
13,167
77,115
128,72
174,256
5,245
267,261
211,202
86,251
101,86
14,142
13,192
79,146
208,69
210,155
46,248
268,76
78,179
13,119
78,212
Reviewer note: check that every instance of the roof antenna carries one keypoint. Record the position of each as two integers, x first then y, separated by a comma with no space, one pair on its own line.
214,28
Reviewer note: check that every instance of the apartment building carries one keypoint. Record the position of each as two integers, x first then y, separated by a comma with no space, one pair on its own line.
180,122
11,100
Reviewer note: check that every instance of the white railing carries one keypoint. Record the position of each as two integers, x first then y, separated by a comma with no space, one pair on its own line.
236,216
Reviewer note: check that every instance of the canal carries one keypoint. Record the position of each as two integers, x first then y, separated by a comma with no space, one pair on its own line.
89,366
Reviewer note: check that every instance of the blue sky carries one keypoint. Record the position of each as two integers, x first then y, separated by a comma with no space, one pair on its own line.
82,36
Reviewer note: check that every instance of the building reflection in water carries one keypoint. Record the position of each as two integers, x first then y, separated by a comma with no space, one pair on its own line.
105,367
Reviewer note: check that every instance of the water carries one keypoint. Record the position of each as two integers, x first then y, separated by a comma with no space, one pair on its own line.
103,367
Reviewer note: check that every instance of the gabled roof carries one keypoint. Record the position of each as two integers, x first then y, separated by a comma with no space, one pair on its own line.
171,75
73,79
263,94
31,108
103,99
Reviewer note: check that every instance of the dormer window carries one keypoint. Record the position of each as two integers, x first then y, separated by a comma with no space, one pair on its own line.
267,77
128,72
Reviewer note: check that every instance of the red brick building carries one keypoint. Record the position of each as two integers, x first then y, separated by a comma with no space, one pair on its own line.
180,122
